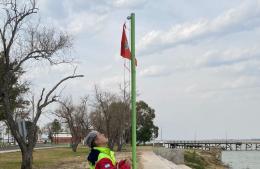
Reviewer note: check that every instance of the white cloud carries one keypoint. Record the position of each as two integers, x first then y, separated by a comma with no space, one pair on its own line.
245,16
106,68
236,60
110,83
191,88
42,72
221,88
85,22
128,3
227,57
74,16
242,82
155,71
83,16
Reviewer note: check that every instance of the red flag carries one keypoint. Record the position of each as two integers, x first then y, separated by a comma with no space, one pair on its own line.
125,51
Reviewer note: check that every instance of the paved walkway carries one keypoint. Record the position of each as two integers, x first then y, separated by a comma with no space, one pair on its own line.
152,161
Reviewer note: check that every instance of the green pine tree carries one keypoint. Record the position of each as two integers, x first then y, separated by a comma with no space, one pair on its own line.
15,88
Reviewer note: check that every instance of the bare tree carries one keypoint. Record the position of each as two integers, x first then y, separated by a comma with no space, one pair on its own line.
102,102
76,117
21,42
97,121
123,113
120,123
111,116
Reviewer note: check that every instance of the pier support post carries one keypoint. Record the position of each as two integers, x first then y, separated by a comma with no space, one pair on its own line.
257,146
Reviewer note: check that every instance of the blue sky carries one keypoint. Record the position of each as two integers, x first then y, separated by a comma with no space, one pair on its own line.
198,61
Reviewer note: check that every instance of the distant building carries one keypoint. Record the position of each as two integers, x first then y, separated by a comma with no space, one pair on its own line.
4,136
43,138
61,138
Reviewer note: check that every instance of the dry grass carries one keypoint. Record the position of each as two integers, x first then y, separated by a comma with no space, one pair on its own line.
61,158
47,159
200,159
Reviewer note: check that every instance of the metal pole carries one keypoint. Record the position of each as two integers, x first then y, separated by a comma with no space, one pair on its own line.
124,83
133,95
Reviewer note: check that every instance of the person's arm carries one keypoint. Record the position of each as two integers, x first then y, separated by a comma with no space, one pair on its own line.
106,163
124,164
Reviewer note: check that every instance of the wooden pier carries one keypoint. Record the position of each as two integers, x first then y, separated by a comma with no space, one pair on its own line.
226,145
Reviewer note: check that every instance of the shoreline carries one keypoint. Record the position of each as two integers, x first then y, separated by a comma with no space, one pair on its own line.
198,159
208,159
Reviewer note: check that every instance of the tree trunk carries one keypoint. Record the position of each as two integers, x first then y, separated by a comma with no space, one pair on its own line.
75,141
74,147
8,137
27,159
119,146
111,143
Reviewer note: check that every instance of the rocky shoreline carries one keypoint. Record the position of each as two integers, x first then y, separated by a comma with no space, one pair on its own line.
196,159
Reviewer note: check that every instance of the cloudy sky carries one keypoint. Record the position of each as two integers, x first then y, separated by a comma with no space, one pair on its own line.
198,61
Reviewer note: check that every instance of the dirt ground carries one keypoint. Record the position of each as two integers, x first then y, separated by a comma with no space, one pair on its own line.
146,160
145,157
84,165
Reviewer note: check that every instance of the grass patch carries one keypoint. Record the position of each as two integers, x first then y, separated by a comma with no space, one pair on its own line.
46,158
194,160
200,159
61,158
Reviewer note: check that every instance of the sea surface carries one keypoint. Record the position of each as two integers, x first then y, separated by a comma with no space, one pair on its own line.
242,159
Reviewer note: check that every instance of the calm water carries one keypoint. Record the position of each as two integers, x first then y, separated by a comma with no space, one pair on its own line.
242,159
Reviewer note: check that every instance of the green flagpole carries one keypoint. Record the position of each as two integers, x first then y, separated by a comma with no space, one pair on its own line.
133,95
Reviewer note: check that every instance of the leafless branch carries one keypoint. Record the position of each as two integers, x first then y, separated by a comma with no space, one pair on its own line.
14,19
47,99
44,44
76,117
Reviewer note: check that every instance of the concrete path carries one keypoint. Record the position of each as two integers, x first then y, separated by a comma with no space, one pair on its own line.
152,161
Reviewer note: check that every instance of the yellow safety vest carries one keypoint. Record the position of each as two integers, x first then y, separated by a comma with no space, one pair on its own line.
104,153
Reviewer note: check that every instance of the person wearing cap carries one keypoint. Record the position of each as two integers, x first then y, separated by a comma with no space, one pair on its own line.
100,156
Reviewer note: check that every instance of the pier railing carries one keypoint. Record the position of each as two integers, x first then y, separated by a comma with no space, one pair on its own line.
227,145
